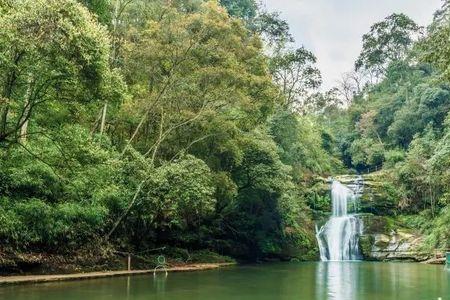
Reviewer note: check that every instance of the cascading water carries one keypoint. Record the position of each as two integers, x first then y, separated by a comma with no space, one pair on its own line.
338,238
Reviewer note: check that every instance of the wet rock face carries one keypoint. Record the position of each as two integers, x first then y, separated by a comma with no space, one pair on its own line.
381,242
382,239
397,246
378,195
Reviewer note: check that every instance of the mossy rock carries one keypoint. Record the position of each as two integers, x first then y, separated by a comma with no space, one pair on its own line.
381,199
381,241
379,195
365,245
376,224
346,179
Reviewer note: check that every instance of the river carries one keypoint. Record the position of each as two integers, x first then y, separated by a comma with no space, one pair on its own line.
310,280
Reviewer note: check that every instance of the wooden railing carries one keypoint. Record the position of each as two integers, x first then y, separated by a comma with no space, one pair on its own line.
372,169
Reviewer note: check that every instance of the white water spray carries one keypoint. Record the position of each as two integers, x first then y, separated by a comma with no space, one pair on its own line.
338,238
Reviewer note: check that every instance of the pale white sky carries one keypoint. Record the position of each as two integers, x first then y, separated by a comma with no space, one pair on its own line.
333,29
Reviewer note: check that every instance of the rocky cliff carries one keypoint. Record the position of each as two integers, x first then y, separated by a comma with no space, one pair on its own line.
384,236
384,240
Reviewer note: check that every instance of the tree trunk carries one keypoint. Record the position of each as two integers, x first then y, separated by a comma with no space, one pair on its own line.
129,207
26,112
4,119
102,124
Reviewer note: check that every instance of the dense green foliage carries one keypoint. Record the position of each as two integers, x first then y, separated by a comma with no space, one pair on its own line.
196,125
245,9
161,127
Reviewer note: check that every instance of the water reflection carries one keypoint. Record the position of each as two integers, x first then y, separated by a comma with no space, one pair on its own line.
128,287
337,280
159,283
295,281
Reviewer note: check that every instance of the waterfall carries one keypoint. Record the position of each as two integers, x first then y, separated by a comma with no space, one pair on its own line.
338,238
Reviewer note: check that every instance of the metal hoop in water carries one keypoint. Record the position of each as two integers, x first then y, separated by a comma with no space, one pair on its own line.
160,267
161,260
161,264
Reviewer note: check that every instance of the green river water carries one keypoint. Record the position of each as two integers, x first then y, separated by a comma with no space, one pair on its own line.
312,280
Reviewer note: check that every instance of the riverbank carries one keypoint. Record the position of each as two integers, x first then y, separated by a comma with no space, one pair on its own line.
5,280
101,259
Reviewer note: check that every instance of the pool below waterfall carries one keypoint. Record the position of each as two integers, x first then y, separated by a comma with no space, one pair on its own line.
309,280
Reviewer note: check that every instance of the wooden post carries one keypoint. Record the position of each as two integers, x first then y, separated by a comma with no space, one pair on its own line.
129,262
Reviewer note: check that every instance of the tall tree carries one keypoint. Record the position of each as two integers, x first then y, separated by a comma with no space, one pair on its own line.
296,74
435,48
387,41
273,30
187,68
50,52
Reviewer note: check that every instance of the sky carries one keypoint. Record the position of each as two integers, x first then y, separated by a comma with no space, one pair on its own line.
333,29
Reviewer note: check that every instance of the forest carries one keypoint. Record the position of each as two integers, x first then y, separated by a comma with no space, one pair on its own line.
197,127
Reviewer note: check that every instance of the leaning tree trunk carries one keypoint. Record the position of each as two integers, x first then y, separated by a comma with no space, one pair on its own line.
102,124
26,113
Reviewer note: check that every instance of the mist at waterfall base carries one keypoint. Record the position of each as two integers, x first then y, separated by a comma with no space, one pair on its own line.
338,238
